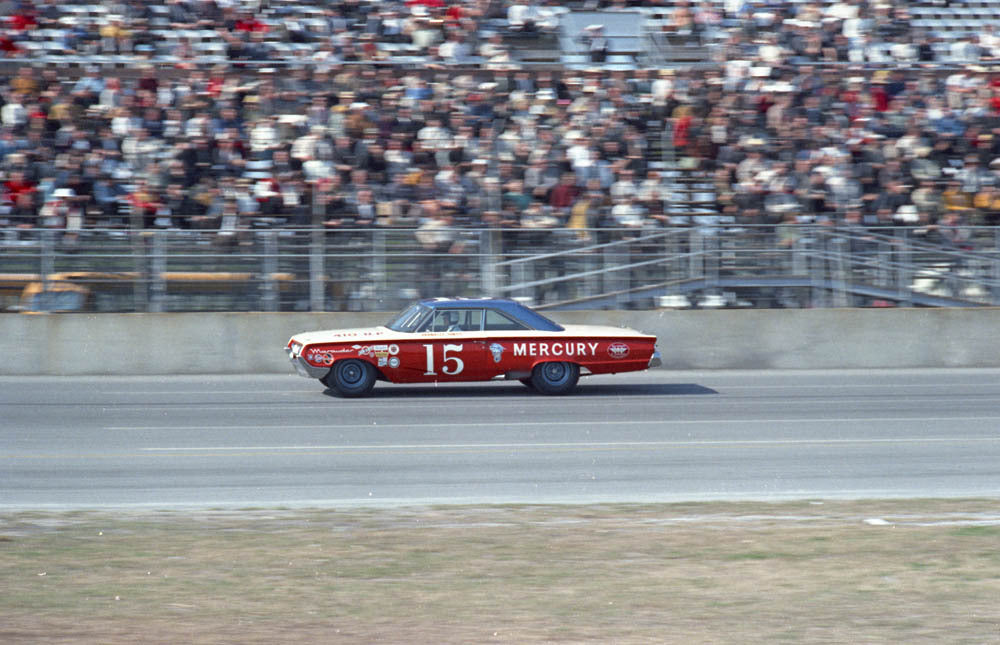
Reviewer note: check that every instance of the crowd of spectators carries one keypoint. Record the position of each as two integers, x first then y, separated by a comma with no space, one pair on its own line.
788,123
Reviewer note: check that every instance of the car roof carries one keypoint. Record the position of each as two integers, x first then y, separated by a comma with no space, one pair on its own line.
511,308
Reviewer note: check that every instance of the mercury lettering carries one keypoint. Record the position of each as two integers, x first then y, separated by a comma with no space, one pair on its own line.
555,349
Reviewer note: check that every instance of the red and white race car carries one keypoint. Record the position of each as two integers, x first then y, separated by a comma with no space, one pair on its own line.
442,340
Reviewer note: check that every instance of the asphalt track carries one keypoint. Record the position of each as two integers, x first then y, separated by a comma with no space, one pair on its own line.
658,436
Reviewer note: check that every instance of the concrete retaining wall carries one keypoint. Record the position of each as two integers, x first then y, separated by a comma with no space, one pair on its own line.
238,343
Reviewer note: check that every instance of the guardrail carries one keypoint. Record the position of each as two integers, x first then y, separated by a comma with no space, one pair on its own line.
380,269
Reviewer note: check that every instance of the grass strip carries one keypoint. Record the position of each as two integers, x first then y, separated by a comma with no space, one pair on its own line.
914,571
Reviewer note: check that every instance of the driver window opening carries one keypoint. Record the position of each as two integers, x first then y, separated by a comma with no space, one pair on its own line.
457,320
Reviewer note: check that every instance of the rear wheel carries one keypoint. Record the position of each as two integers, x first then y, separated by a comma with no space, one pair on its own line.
555,378
351,377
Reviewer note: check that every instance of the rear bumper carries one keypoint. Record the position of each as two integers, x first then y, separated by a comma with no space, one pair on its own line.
655,360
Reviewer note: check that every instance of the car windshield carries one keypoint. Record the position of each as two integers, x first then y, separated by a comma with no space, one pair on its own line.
411,319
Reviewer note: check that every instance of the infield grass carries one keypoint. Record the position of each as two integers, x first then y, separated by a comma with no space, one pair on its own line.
906,571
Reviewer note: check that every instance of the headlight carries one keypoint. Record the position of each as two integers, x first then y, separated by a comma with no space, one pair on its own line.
296,349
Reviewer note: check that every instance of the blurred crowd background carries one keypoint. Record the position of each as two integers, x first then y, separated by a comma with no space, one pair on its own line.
232,116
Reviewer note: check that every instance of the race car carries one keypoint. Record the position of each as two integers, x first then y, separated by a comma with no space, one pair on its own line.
469,339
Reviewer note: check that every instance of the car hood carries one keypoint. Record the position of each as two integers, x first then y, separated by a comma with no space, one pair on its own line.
359,334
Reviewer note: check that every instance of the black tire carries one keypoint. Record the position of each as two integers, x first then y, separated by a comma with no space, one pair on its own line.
555,377
351,377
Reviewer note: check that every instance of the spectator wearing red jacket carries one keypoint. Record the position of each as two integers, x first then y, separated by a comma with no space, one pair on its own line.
564,193
16,186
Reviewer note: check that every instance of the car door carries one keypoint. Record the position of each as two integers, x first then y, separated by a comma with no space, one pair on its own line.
451,348
502,336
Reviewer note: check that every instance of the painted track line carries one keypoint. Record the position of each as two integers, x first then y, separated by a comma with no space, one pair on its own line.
589,423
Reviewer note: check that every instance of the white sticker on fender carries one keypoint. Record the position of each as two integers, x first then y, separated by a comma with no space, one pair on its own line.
618,350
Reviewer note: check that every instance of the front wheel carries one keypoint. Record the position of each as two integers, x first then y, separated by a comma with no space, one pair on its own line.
351,377
555,378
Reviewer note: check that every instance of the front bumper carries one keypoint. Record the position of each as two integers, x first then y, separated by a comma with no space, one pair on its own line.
655,360
302,368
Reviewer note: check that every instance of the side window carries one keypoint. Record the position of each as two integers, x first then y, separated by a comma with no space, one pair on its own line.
442,320
496,321
473,320
457,320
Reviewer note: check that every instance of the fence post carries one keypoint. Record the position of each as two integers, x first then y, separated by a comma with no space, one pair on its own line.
158,267
840,289
488,259
317,299
591,262
378,267
47,257
712,246
617,283
140,291
696,260
668,252
904,274
817,263
800,259
269,266
883,256
520,274
995,287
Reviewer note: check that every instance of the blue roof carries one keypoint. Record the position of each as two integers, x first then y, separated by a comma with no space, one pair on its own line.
512,308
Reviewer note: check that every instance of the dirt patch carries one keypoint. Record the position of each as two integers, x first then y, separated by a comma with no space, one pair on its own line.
834,572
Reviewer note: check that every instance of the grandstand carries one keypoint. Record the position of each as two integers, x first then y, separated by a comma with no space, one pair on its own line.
766,136
283,32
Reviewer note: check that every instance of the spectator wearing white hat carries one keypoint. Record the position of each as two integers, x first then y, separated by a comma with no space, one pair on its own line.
522,16
596,42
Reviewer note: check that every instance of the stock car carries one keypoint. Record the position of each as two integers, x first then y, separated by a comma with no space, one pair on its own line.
475,339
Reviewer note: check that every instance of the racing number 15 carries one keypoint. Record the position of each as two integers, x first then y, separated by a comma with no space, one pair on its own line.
446,359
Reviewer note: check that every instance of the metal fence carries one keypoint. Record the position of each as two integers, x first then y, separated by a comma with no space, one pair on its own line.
382,269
